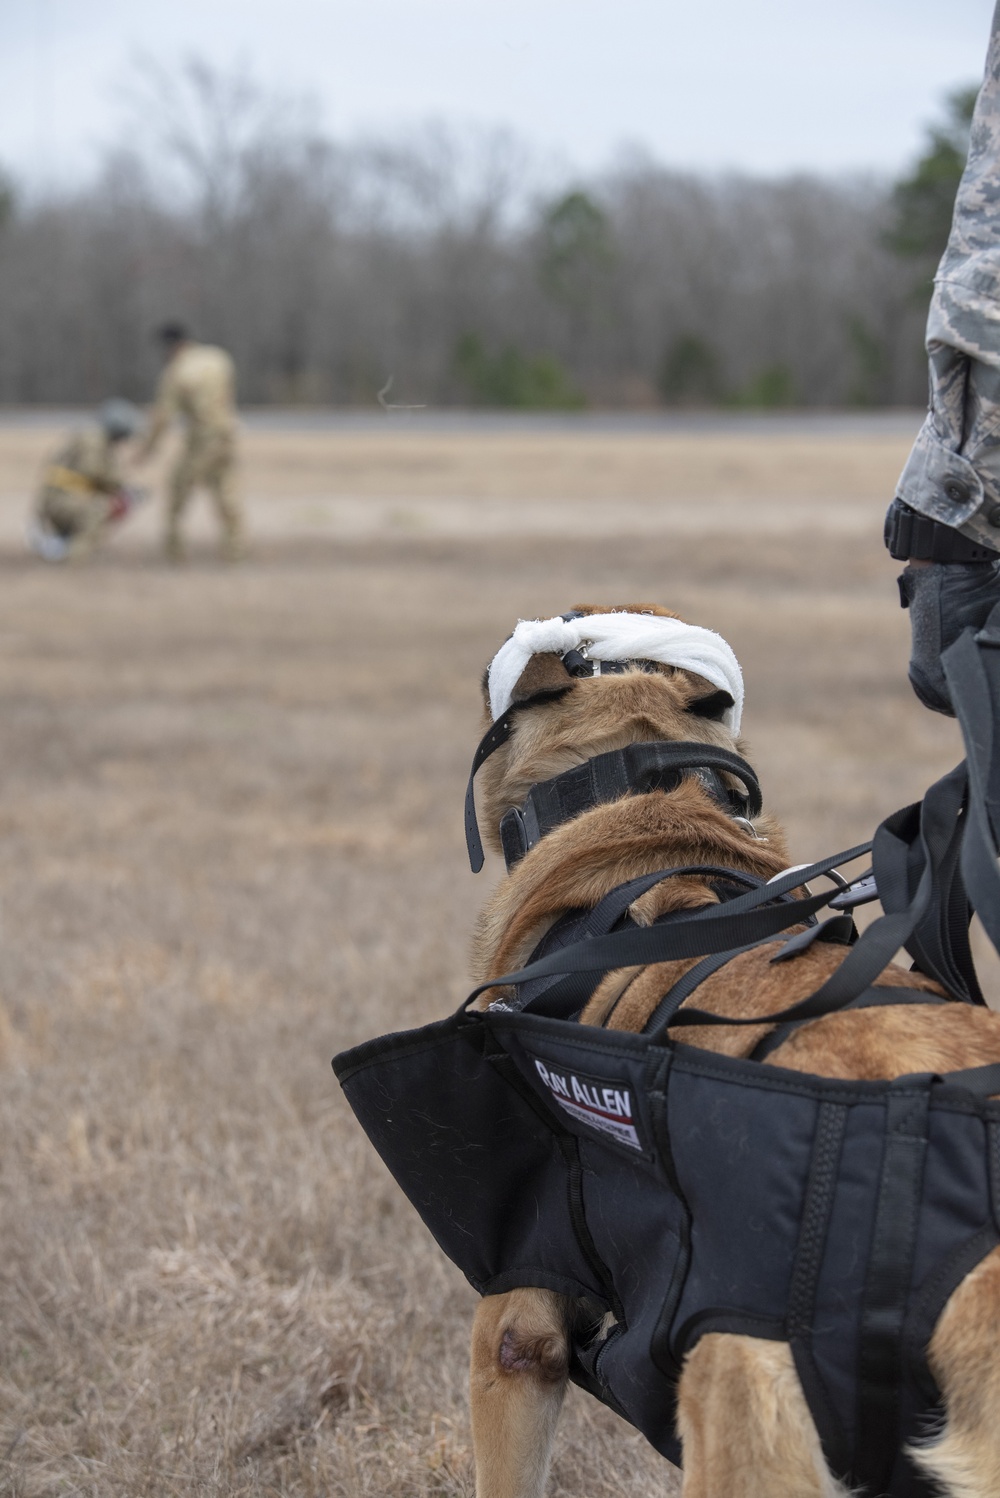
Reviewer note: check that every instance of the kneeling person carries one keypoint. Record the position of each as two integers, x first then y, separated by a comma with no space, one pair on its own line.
82,492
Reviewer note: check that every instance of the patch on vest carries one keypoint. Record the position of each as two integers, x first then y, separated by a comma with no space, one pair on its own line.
603,1105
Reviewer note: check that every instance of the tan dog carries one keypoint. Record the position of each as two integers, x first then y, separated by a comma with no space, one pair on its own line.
743,1419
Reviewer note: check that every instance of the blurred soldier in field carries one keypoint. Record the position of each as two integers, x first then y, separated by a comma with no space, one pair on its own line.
82,492
198,385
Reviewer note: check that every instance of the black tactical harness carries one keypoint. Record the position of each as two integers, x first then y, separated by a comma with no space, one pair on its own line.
688,1192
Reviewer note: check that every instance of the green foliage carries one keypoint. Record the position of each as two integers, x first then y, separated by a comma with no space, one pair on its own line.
769,388
577,250
923,202
6,199
870,364
691,374
531,382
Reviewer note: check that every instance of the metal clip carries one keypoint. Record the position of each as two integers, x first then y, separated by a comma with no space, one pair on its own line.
749,828
861,893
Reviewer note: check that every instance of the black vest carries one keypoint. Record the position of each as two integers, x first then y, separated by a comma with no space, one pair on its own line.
687,1192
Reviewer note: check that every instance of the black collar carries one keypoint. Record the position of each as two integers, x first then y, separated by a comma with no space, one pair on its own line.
635,770
641,767
498,733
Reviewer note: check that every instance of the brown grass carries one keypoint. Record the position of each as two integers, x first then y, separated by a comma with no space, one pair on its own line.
231,845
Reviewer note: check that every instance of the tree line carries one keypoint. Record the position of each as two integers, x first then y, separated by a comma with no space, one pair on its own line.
450,264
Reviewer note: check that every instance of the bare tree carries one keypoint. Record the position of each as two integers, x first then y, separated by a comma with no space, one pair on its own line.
325,266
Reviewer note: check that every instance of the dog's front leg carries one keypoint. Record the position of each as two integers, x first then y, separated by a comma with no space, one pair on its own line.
520,1357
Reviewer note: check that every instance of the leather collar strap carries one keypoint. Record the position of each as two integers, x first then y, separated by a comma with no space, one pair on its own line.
498,733
634,770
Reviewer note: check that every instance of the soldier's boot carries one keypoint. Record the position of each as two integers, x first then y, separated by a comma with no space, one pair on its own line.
181,485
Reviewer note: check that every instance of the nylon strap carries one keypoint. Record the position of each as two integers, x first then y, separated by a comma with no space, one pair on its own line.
498,733
666,1010
839,928
884,937
939,941
887,1285
824,1163
754,916
563,998
615,904
972,671
871,998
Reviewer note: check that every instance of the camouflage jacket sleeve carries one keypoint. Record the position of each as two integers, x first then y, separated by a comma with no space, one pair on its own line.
165,409
953,471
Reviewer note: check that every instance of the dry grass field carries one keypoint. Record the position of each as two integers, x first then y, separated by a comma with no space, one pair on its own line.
231,845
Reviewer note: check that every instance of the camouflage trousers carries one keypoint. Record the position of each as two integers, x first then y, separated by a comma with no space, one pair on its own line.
81,519
207,462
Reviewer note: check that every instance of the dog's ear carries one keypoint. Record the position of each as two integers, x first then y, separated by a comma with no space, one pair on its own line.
543,673
714,706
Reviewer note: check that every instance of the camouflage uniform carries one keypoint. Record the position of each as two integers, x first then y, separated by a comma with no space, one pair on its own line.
198,386
77,496
953,471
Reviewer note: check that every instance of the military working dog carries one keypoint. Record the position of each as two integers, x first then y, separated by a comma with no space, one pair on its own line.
743,1419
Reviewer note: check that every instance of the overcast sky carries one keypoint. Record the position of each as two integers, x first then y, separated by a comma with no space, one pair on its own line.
762,85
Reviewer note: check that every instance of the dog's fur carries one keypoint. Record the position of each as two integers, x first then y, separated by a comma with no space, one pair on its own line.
744,1423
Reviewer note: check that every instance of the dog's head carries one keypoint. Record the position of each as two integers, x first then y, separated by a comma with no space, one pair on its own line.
559,719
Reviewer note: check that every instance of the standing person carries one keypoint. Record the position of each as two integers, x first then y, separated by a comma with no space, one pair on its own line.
81,492
198,385
945,520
